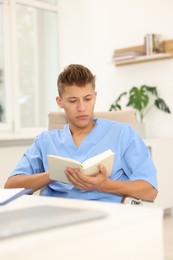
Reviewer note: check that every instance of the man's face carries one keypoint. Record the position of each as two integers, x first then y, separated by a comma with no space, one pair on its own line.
78,104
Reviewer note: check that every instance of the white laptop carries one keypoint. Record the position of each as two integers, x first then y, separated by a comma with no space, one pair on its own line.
32,219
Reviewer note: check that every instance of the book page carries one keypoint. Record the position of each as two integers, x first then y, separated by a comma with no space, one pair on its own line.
97,158
90,166
64,159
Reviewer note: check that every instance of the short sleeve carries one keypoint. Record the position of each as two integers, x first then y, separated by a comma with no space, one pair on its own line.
137,161
30,162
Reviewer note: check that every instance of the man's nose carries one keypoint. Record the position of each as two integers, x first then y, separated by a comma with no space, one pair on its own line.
81,105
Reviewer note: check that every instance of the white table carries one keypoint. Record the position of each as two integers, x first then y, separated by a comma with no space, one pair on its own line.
129,232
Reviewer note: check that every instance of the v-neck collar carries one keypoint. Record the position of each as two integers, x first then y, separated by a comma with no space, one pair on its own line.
89,138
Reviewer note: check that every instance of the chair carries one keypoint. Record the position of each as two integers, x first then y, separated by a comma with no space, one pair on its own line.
57,120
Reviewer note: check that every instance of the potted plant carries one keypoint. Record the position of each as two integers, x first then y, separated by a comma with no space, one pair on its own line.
142,99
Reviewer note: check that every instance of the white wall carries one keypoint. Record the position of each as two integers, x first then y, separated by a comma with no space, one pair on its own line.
91,29
10,154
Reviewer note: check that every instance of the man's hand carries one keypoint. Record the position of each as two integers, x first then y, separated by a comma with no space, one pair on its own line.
138,189
83,182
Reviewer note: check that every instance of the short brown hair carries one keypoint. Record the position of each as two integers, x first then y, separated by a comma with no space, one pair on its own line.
75,74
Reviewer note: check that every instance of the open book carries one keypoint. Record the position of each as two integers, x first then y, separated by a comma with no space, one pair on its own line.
57,165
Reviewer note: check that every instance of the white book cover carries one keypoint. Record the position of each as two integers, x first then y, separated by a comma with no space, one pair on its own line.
58,164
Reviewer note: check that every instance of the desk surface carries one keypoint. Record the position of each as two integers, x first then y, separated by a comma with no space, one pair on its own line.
127,233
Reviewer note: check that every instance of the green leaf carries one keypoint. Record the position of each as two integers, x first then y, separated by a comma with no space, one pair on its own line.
151,90
115,107
142,99
120,96
138,98
160,104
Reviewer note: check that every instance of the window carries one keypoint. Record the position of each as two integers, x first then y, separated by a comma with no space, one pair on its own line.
28,62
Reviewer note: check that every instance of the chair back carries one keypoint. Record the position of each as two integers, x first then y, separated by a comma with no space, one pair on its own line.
57,120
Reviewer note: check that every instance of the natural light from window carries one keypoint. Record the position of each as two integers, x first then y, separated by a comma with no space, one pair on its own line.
28,63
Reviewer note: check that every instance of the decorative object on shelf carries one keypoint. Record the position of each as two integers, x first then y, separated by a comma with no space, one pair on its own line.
152,44
142,99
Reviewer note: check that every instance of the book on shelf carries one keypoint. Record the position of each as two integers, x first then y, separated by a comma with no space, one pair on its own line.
57,165
126,55
123,58
153,44
130,53
145,58
7,195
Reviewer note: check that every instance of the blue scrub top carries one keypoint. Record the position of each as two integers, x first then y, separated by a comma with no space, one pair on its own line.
132,157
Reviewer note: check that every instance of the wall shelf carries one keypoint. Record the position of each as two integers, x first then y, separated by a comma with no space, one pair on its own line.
167,54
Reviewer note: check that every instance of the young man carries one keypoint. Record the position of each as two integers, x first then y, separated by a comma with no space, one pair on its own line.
133,171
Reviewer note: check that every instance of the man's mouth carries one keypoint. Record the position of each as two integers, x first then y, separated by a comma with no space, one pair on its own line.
82,117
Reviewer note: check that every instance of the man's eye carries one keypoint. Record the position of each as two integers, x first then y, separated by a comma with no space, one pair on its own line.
88,99
72,101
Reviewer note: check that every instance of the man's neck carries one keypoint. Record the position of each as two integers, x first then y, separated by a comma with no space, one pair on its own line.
79,134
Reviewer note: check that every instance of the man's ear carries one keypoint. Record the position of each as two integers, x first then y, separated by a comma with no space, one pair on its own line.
59,102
